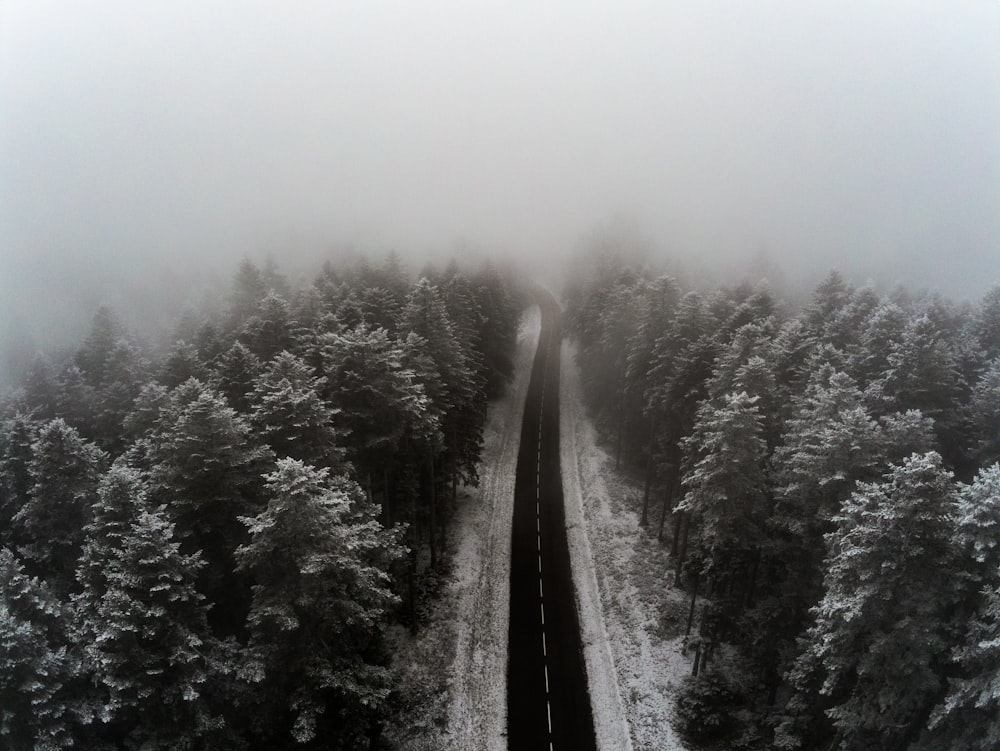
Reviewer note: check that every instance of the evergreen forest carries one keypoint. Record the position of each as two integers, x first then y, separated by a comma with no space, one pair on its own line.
827,481
202,540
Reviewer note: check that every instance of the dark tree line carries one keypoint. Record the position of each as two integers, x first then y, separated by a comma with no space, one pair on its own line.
827,482
200,547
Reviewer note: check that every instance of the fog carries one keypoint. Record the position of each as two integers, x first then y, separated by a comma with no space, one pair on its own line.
143,145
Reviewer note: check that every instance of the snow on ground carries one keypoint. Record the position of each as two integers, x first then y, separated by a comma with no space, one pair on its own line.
455,668
610,727
633,624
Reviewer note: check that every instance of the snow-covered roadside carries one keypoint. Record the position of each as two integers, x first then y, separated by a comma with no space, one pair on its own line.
467,636
478,714
630,615
610,727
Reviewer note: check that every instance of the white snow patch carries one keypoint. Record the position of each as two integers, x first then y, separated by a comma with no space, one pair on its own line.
630,615
610,727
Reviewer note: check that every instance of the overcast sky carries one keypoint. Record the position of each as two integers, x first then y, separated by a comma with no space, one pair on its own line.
164,135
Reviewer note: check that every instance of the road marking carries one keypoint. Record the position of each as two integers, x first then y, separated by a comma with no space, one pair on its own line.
538,528
539,564
540,588
548,708
545,653
542,606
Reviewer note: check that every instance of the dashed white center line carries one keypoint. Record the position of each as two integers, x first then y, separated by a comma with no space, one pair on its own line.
538,528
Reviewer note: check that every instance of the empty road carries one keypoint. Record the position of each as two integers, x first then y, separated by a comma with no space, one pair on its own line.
548,707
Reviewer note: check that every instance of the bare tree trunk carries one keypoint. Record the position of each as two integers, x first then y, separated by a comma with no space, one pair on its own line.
682,552
433,483
752,581
694,596
621,419
697,659
649,477
386,503
412,578
454,471
668,505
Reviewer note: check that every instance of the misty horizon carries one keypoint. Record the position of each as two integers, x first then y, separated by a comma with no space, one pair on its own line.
142,149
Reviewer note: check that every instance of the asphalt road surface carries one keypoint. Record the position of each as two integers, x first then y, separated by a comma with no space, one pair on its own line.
548,707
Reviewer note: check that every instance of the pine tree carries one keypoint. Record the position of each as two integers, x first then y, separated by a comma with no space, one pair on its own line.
376,395
292,418
76,400
16,438
125,374
37,669
829,445
969,716
498,327
985,408
319,560
235,375
205,467
269,330
987,323
681,367
882,332
38,707
875,656
182,363
249,288
923,374
145,623
94,355
726,496
41,389
64,472
829,299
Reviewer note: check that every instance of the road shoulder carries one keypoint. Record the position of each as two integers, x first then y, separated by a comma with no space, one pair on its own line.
628,610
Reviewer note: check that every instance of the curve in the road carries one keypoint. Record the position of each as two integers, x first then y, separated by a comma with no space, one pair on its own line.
548,706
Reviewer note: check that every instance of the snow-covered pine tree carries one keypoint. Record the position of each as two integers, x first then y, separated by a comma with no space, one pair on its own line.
235,375
290,415
873,660
969,715
319,562
985,409
17,434
269,330
182,362
205,467
377,398
726,496
64,471
143,622
38,707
